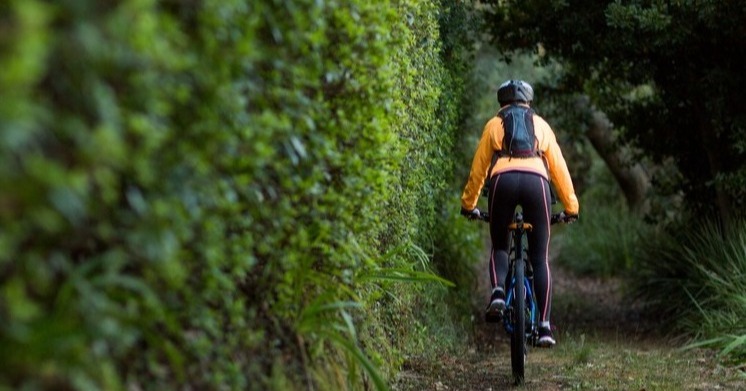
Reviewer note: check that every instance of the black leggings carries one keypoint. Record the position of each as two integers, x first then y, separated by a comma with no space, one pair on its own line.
531,192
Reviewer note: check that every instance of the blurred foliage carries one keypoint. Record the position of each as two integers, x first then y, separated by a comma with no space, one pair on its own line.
225,194
606,240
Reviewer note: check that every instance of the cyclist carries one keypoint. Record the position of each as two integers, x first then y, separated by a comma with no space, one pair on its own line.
519,177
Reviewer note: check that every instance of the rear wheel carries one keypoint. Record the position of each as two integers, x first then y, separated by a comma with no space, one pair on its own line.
518,339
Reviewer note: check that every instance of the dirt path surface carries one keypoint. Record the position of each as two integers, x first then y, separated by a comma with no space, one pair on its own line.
603,344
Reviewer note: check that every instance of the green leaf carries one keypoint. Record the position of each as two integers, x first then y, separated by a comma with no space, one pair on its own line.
404,275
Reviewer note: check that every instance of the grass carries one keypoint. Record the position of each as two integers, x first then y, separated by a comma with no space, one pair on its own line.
698,278
600,349
581,361
596,362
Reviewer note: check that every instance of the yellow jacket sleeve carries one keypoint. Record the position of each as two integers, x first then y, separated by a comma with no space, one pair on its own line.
557,167
480,165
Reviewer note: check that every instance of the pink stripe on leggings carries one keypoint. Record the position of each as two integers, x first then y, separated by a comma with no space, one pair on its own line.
493,270
546,255
493,267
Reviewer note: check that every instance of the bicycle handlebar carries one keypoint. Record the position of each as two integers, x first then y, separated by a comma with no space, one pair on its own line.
556,218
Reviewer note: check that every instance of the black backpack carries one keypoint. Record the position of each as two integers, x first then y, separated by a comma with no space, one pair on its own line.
519,139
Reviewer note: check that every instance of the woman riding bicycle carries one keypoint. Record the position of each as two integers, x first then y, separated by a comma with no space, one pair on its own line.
519,152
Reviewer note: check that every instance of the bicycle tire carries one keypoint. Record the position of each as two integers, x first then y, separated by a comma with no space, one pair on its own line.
518,338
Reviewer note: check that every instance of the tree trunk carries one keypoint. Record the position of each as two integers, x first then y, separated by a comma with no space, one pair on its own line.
630,175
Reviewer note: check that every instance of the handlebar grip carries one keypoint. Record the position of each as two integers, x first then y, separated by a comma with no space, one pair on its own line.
562,217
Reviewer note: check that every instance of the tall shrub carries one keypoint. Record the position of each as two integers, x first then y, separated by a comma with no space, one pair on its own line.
216,194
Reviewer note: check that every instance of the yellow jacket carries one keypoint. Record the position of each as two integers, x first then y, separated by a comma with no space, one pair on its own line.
491,141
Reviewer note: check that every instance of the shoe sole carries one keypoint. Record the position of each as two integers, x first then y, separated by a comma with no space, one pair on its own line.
496,306
545,343
494,312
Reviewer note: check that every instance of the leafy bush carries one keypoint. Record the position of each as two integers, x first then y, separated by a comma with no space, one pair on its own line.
216,194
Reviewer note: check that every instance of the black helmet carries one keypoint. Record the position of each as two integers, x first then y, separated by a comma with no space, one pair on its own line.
515,91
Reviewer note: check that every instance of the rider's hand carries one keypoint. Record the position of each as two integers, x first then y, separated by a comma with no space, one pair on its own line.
569,218
473,214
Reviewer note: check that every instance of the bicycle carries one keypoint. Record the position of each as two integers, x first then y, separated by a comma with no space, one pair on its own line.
519,317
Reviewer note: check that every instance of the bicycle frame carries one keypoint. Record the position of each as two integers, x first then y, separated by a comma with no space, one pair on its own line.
530,332
518,231
520,305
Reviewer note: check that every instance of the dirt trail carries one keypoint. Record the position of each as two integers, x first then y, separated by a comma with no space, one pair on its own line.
603,344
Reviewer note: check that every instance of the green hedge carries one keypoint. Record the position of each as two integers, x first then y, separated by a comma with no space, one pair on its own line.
221,194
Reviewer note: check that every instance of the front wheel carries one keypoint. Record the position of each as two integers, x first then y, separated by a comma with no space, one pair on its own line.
518,318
